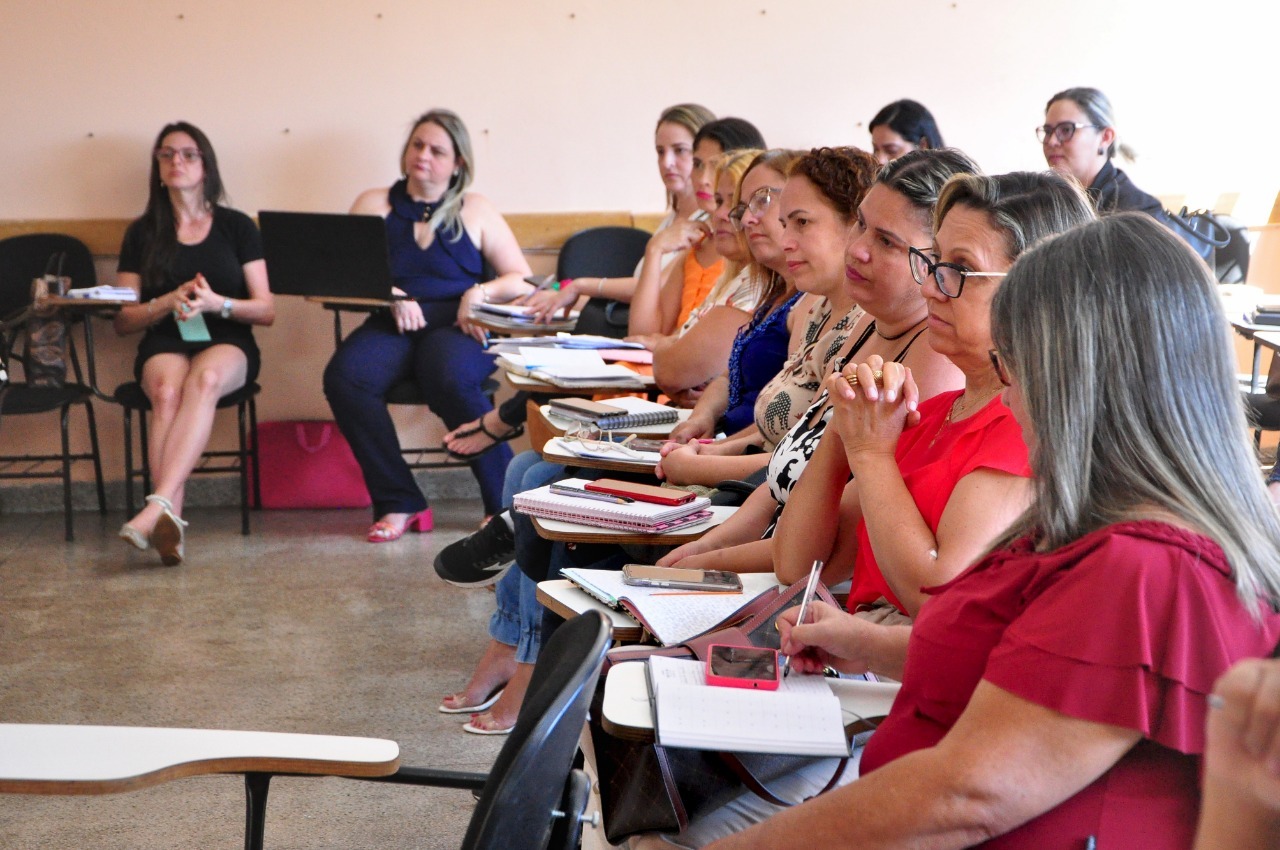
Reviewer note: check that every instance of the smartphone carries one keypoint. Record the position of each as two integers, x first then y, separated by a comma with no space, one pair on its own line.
642,492
743,667
643,445
540,281
643,575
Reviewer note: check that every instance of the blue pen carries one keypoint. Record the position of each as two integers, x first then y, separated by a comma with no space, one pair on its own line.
485,342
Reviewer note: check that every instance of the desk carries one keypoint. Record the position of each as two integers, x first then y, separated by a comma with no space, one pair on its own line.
1261,336
533,385
502,325
39,759
554,452
573,532
563,597
627,714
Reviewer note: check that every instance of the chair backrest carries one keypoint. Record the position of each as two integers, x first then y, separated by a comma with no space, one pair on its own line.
602,252
528,778
23,258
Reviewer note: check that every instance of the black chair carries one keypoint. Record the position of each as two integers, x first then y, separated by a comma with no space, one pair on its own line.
533,797
23,258
602,252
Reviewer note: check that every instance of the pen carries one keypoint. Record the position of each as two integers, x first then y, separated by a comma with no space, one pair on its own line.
485,341
809,588
562,490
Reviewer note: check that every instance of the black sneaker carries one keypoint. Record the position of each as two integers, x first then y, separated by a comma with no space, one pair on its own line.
479,559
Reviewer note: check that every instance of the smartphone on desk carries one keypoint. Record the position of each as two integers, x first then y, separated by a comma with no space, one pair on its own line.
643,575
743,667
642,492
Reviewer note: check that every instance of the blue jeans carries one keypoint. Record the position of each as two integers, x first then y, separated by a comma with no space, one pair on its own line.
449,367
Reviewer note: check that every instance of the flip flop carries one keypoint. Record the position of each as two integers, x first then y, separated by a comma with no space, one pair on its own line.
470,726
516,431
474,709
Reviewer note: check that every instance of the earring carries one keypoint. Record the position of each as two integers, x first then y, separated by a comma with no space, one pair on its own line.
1101,151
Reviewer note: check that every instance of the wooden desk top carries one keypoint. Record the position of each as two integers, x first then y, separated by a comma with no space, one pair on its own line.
628,715
565,598
40,759
341,301
1268,339
553,451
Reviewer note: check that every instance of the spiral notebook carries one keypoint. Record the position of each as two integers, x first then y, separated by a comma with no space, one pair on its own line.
645,517
635,413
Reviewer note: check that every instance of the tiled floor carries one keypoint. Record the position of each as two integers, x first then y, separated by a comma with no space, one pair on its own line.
300,627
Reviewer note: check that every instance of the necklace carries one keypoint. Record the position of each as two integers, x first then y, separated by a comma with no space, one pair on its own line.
900,335
961,406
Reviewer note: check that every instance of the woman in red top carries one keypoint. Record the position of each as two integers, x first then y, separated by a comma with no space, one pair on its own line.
950,476
1054,694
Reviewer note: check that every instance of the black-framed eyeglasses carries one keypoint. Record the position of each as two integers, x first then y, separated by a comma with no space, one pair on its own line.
950,277
1062,131
757,204
187,154
998,365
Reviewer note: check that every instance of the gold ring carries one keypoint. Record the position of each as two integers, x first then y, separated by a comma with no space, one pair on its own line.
851,381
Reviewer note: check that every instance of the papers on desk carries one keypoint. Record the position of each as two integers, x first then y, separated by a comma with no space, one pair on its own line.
570,449
569,368
104,293
641,517
670,619
564,340
802,717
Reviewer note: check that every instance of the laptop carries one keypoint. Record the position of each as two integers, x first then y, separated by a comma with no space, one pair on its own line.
326,254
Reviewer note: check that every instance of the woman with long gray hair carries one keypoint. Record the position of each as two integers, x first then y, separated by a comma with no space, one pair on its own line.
1054,694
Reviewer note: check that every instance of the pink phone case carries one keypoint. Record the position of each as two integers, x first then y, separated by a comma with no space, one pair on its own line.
738,681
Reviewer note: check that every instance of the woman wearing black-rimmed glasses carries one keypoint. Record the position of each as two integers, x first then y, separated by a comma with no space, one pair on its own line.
1079,140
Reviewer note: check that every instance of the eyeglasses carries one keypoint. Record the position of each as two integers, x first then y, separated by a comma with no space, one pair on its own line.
950,277
596,440
998,364
1062,132
756,205
187,154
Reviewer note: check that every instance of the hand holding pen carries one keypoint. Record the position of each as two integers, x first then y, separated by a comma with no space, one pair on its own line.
810,587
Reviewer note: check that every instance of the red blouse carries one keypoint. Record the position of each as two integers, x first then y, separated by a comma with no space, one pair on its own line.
933,457
1128,626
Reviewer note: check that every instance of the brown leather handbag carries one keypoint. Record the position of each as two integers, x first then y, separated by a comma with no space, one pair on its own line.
645,787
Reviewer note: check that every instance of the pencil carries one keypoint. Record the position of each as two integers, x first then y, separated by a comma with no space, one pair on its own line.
698,593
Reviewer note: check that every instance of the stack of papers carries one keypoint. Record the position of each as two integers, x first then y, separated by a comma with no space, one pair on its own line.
569,368
104,293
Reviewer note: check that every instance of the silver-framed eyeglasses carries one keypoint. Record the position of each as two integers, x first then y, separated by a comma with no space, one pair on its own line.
187,154
1062,131
950,277
757,204
596,440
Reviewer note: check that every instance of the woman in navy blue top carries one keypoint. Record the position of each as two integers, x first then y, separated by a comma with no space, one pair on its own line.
440,237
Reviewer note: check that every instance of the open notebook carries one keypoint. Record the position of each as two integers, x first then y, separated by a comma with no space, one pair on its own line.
802,717
670,619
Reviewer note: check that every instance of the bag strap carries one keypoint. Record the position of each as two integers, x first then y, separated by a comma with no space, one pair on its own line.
758,788
1183,220
326,434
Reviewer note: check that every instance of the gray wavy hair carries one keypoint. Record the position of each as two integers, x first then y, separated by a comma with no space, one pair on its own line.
447,217
1099,326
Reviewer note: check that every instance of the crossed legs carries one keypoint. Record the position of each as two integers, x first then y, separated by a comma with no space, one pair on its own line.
184,393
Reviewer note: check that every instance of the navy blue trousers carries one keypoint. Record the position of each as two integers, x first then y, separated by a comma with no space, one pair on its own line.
448,366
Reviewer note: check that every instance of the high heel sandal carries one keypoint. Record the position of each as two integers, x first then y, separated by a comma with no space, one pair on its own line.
383,531
168,536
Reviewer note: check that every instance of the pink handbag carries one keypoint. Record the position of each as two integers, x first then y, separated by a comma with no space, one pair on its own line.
308,464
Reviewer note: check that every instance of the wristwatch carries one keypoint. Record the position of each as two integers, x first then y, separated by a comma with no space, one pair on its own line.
226,308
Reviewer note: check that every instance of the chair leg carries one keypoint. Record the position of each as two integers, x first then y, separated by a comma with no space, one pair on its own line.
146,455
253,452
128,461
256,786
244,469
66,471
97,457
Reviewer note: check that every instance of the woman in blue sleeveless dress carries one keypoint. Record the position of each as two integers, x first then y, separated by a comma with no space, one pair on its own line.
440,237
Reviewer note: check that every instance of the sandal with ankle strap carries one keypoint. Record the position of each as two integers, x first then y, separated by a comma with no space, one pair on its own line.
168,536
516,431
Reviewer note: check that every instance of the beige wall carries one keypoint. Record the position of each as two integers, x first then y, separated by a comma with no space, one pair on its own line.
307,102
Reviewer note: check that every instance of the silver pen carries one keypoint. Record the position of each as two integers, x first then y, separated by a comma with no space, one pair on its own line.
577,492
810,588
